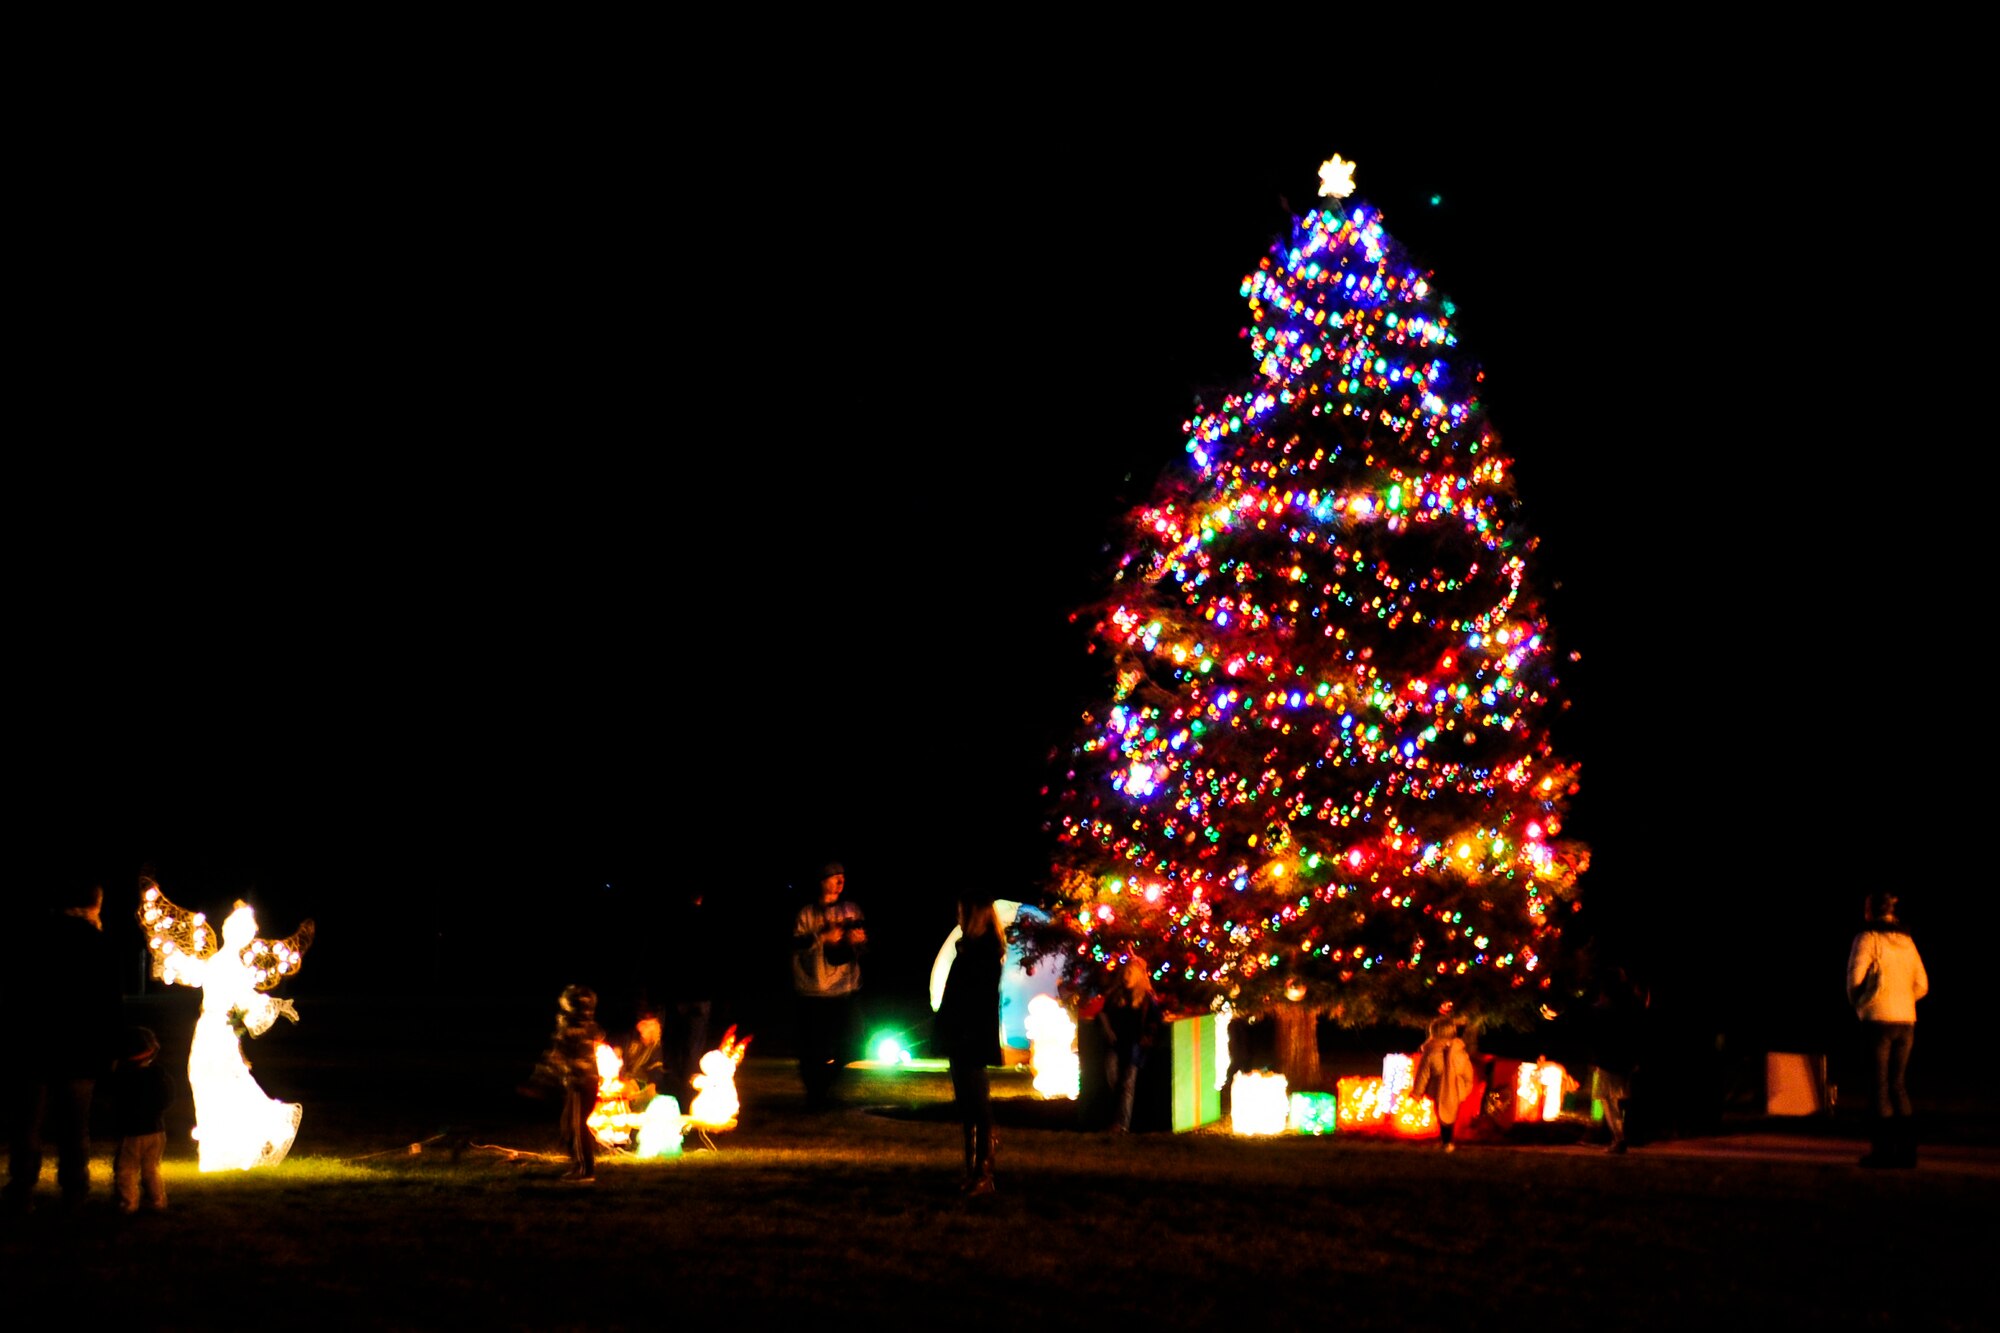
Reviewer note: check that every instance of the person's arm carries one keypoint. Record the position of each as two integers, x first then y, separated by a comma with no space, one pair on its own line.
1861,969
805,931
1921,982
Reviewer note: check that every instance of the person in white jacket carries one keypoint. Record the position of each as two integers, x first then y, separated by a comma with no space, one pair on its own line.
1885,979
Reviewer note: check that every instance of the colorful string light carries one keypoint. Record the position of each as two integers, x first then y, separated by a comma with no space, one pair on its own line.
1322,771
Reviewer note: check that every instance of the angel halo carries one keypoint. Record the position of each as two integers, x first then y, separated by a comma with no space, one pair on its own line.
237,1126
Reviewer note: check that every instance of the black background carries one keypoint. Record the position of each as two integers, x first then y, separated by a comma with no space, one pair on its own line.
468,509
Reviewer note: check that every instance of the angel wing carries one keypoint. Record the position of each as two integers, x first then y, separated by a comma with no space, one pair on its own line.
177,940
274,960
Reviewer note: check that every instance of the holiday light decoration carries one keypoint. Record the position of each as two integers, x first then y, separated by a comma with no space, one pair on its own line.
1323,768
1538,1090
1223,1013
889,1050
1257,1103
1399,1075
1052,1048
1313,1113
237,1127
1411,1117
1336,177
715,1105
1359,1105
612,1120
658,1131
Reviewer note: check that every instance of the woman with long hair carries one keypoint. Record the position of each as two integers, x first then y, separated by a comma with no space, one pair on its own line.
969,1023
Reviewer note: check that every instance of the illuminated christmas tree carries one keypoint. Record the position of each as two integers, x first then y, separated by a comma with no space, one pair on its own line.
1322,784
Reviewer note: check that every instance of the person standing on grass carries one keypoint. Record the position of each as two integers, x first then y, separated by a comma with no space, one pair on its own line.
62,1015
968,1022
1131,1020
571,1064
1885,979
829,940
139,1101
1444,1071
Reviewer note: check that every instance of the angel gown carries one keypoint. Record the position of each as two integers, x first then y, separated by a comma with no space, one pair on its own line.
237,1126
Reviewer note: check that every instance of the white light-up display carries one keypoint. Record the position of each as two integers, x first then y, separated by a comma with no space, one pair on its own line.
1052,1048
1399,1075
1539,1088
237,1126
658,1132
1222,1017
1258,1103
715,1104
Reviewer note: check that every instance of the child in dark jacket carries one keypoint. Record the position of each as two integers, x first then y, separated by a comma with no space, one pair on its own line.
139,1101
571,1063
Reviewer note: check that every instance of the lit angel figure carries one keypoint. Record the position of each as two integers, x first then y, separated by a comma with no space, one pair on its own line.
236,1126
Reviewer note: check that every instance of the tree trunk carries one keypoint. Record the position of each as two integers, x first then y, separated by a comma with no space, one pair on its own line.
1298,1046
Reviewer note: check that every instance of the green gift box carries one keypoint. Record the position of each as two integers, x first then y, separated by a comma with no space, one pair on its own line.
1197,1100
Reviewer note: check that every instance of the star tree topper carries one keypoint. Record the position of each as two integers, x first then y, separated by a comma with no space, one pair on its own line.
1336,177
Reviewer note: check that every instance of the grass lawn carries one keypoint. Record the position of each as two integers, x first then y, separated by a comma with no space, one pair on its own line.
797,1218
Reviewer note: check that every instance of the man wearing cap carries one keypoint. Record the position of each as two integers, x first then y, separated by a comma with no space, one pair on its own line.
1885,979
829,938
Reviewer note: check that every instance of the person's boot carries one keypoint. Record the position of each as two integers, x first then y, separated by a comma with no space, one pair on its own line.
1881,1146
984,1183
1905,1142
970,1176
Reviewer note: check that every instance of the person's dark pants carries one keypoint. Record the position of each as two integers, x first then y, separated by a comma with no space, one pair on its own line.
53,1110
1888,1046
972,1094
689,1042
826,1041
580,1143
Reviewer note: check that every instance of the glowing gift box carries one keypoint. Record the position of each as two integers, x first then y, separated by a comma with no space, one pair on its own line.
1538,1090
1257,1103
1198,1058
1359,1106
1412,1118
1052,1048
1314,1113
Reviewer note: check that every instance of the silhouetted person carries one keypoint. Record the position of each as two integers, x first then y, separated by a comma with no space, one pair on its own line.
1131,1020
968,1021
62,1019
571,1064
829,939
1885,979
1616,1037
140,1096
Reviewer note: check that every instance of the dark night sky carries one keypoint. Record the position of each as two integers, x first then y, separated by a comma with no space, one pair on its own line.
506,517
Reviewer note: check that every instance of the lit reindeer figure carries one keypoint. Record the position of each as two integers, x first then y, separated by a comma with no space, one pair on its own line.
236,1126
